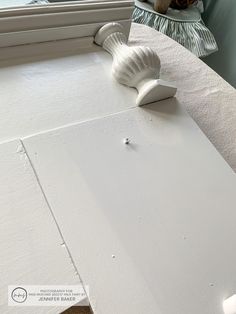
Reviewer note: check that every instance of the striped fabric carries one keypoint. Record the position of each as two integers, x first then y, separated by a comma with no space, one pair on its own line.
190,33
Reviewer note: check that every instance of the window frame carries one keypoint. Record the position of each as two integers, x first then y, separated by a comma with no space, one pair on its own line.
59,21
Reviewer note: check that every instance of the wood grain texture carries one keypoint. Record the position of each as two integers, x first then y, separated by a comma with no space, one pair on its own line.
150,224
32,250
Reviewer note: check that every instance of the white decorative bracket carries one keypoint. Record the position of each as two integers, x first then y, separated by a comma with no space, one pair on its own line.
137,67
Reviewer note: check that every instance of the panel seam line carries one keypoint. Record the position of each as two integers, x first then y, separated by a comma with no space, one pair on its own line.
53,216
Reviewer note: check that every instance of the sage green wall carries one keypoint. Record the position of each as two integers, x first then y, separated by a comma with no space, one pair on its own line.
220,17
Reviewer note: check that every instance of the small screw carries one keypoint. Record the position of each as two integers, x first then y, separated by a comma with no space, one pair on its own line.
113,256
127,141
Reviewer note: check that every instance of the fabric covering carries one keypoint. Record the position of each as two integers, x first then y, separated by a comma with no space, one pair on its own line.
209,99
184,26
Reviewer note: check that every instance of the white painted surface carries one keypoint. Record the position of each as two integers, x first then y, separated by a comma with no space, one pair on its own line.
162,228
48,91
32,250
150,224
59,20
10,56
229,305
64,14
53,33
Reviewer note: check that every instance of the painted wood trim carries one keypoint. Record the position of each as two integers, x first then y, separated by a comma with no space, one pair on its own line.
45,48
64,7
47,22
53,33
31,22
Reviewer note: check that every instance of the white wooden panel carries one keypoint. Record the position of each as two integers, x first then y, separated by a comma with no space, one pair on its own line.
32,250
150,225
54,89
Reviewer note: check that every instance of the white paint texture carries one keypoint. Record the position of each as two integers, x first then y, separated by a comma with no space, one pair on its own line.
164,206
37,95
63,14
32,250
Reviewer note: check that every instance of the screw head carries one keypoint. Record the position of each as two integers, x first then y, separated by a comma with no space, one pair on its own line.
126,141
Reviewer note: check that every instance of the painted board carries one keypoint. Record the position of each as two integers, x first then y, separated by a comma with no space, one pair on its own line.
32,249
150,224
55,89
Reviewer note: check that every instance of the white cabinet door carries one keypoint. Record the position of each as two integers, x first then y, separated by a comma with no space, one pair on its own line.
150,224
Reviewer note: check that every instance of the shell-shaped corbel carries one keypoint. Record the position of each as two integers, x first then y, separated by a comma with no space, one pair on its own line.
137,67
